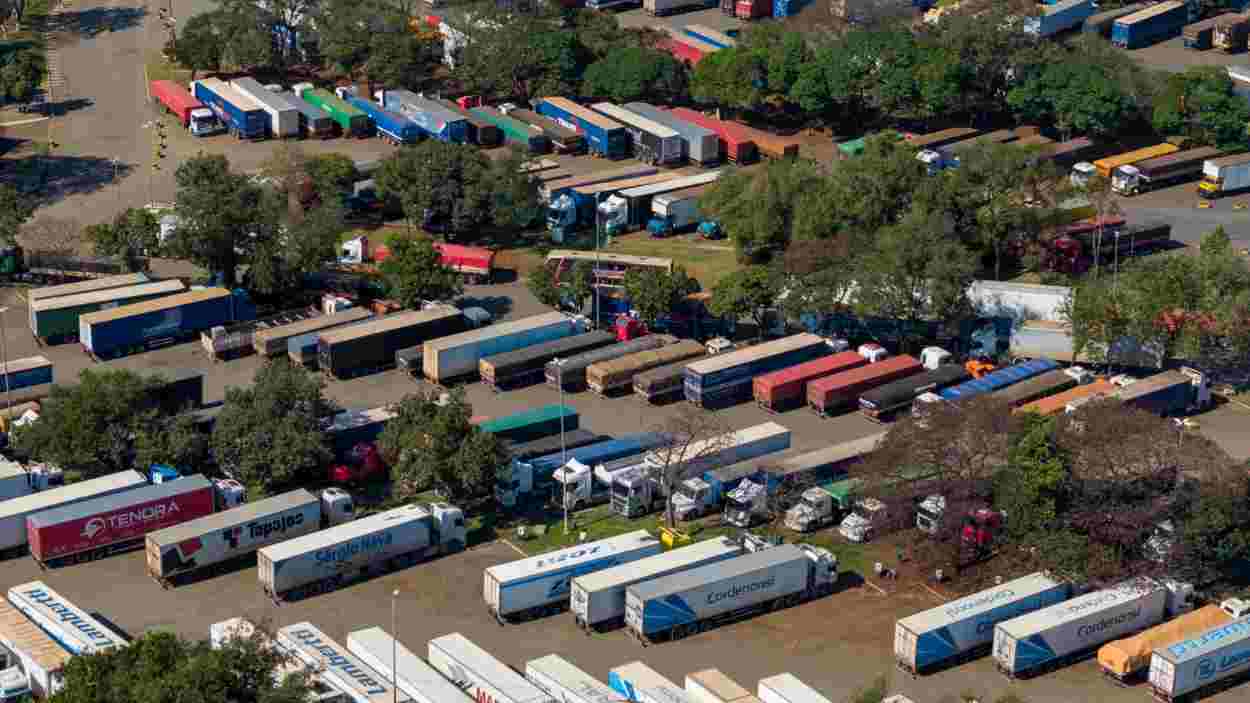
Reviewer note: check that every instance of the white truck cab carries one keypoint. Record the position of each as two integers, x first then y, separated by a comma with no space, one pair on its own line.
1082,173
873,352
1126,180
337,506
858,525
933,357
203,122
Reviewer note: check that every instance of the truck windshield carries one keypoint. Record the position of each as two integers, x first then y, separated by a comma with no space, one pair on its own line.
690,493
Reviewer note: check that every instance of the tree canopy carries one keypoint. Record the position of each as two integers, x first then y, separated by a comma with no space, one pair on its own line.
414,273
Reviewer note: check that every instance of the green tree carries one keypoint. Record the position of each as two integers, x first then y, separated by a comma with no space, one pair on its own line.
521,56
990,183
15,210
398,58
1078,96
1200,103
514,199
820,277
87,427
222,216
332,175
414,273
1030,486
131,236
313,241
199,46
580,284
655,293
269,433
636,73
735,77
442,187
762,210
246,36
342,36
174,441
542,284
748,292
430,443
22,68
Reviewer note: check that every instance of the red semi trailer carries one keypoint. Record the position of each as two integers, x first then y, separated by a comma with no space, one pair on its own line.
193,115
832,393
781,389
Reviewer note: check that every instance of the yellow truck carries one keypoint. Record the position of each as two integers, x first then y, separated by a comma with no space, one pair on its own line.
1108,165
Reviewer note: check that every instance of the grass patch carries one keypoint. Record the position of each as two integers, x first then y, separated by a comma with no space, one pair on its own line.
598,523
706,261
161,69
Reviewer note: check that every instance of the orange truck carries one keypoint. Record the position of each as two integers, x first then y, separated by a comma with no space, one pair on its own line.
1058,403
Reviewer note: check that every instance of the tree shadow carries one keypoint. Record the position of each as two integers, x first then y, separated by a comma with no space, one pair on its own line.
95,21
496,305
50,179
72,105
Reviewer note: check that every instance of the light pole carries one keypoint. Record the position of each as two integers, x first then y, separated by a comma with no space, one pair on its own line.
594,276
394,647
4,351
564,452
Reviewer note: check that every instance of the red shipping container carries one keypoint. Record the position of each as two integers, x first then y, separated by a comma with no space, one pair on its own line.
176,99
734,141
680,50
754,9
841,390
474,262
784,387
117,521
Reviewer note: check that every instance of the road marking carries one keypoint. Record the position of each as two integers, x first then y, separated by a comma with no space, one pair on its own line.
19,123
518,549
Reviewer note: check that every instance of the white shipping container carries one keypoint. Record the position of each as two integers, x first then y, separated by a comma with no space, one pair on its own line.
215,538
600,597
787,688
680,208
1045,637
332,661
13,513
567,683
640,683
69,625
730,448
283,116
535,582
1201,662
459,354
410,674
482,676
713,686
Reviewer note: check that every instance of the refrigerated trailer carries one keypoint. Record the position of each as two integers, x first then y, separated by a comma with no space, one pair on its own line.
71,626
787,688
1029,644
1225,176
1207,662
458,355
653,142
567,683
713,686
335,663
482,676
598,599
32,662
408,672
639,683
964,628
13,513
700,145
540,585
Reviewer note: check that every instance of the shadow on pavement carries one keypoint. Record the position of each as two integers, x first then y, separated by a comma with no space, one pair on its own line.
95,21
496,305
49,179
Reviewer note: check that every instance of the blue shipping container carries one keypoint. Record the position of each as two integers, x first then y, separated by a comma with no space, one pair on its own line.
389,124
690,32
109,332
604,136
1146,27
998,380
24,373
244,118
1059,17
433,119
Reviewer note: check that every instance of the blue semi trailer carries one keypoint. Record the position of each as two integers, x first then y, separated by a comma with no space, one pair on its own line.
116,331
1151,25
1059,17
433,119
391,126
604,136
241,115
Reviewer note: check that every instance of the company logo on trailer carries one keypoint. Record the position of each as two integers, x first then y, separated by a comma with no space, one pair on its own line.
735,591
261,530
130,518
561,558
334,660
1097,627
345,551
1236,628
973,603
68,617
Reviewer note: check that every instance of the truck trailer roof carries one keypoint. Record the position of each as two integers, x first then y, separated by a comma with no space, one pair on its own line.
17,631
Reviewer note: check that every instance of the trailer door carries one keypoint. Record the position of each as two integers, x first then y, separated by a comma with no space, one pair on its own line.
905,645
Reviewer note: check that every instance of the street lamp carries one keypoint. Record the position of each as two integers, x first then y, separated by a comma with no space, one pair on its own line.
394,647
564,452
4,351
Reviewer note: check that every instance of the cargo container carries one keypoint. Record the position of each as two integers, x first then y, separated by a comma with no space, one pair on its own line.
565,140
1169,393
883,401
571,439
735,144
1101,23
283,115
941,138
1125,659
1059,17
631,208
699,144
327,659
1131,179
515,368
550,191
55,319
24,373
33,663
964,628
514,131
1041,386
639,683
537,586
113,332
570,372
781,390
457,355
787,688
482,676
97,528
215,539
1225,176
727,378
1207,662
324,560
598,599
408,672
314,122
392,127
1108,165
712,36
13,512
533,424
713,686
653,143
88,286
833,393
1229,34
431,117
272,341
72,628
1153,24
530,476
664,381
684,603
369,345
1030,644
239,113
350,120
17,480
477,130
604,136
773,146
567,683
199,120
475,264
607,377
1058,403
998,380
